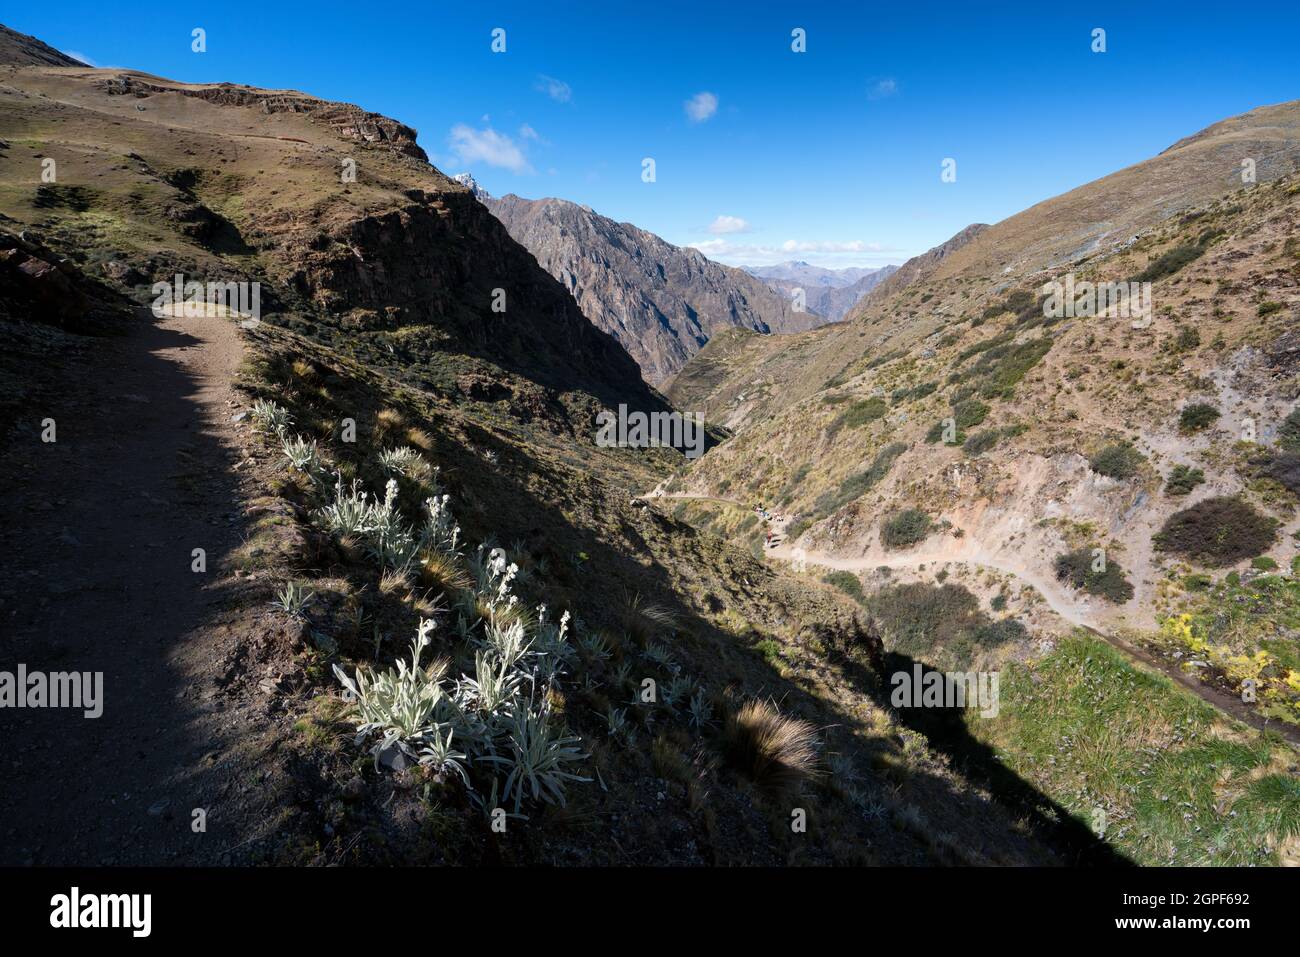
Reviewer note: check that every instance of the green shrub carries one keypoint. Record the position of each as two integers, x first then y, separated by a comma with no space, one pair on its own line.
1187,338
1217,532
1168,264
904,528
936,434
1196,417
940,624
848,583
1119,460
859,414
981,442
1264,564
1002,367
1268,308
969,413
1182,479
859,483
1076,569
915,392
1289,434
1283,468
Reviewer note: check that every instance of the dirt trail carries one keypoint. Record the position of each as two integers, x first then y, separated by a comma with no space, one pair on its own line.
1057,598
101,528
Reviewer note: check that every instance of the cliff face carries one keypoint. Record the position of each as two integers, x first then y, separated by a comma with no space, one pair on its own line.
660,301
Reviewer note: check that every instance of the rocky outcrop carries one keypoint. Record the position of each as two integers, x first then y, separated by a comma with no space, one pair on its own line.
348,121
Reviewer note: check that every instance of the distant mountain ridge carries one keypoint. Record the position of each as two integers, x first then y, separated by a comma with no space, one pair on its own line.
661,302
828,293
796,270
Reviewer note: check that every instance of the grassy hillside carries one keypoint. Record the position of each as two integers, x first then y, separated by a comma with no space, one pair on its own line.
1039,444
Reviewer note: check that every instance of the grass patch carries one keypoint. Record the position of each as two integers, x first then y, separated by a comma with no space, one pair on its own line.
1092,732
776,752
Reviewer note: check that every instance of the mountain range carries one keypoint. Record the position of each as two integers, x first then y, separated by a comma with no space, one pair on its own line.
661,302
828,293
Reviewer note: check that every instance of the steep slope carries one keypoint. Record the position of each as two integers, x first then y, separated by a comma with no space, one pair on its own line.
18,49
661,301
376,313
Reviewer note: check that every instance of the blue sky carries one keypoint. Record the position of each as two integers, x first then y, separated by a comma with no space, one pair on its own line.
761,154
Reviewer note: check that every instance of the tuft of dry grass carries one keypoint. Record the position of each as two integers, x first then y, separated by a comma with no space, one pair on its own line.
389,424
395,582
444,573
421,439
304,370
777,752
643,621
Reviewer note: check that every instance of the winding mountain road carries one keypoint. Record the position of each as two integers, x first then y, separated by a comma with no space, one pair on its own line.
1056,597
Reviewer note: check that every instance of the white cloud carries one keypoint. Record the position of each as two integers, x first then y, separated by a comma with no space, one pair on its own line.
829,253
728,224
487,146
854,246
883,88
701,106
557,90
526,132
88,61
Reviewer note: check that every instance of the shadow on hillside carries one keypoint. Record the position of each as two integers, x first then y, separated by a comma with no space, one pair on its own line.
100,528
946,729
510,509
